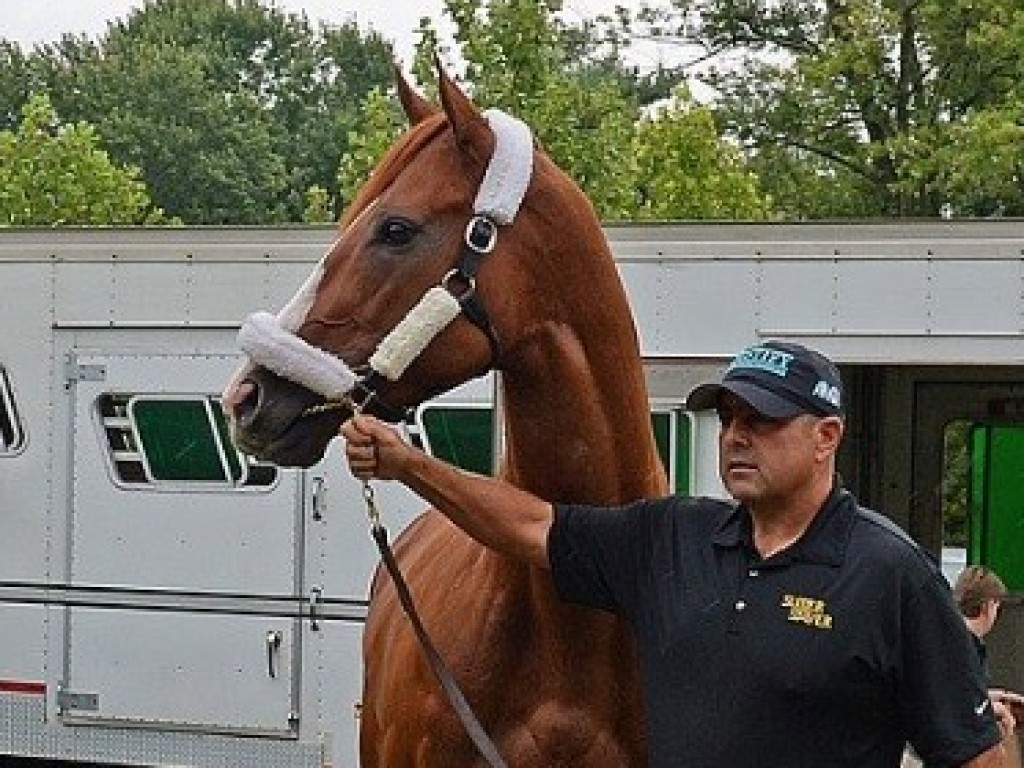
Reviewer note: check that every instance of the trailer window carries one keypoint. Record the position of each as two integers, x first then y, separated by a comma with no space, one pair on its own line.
12,438
460,435
159,440
672,429
463,435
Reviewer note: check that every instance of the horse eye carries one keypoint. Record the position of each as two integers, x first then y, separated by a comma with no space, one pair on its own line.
396,232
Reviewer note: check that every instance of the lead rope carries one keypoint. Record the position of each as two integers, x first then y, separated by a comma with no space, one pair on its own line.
476,732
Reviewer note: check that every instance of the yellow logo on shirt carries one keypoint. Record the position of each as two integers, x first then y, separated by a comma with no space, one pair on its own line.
807,610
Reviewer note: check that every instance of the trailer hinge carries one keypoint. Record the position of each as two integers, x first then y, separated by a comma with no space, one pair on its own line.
316,594
83,702
74,372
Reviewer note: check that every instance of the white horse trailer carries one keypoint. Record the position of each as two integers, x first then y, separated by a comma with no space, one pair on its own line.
166,601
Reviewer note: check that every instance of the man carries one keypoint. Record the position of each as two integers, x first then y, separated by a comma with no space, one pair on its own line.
791,629
979,594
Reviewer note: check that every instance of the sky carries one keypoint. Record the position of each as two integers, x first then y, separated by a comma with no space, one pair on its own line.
31,22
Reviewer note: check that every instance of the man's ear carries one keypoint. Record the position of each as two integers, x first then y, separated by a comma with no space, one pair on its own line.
991,608
829,434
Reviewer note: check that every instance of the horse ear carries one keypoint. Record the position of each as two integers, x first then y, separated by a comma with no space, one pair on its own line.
471,130
417,109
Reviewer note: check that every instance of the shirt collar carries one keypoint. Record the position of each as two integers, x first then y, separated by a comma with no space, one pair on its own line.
824,541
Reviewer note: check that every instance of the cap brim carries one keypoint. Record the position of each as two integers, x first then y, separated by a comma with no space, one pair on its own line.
707,396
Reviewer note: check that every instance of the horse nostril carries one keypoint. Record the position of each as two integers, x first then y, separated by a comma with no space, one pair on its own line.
245,402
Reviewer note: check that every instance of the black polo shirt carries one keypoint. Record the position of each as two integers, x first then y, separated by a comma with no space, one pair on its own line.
834,652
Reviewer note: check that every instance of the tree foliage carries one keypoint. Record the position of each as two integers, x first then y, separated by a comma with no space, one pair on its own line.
686,171
55,173
381,125
572,90
236,112
232,108
876,107
15,84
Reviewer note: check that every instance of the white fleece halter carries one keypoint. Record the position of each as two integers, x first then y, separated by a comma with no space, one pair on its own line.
271,341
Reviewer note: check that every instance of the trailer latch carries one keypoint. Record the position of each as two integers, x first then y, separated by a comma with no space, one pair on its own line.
83,702
75,372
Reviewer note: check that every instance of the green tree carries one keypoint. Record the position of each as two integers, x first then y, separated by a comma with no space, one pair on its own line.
956,479
233,108
686,171
318,206
517,56
583,104
380,125
208,156
53,173
853,108
15,84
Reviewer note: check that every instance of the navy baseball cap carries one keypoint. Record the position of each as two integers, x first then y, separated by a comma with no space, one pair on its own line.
779,380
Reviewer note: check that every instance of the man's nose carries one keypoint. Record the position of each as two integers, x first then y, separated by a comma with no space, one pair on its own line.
734,430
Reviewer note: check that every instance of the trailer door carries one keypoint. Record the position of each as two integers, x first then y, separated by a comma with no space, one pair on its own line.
160,500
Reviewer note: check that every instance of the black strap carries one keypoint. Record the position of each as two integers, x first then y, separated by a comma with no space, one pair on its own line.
477,315
458,701
366,398
480,238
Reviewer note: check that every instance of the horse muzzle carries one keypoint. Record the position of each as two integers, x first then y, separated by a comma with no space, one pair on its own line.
277,420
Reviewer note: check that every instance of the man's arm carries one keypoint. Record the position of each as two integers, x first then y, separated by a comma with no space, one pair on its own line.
993,757
495,513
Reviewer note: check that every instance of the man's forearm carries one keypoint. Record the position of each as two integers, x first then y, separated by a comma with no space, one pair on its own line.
993,757
495,513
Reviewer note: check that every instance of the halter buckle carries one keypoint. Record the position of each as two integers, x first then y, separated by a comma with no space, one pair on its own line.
372,513
481,234
470,285
361,395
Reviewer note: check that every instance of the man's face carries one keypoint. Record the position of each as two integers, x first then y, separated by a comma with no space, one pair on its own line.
764,460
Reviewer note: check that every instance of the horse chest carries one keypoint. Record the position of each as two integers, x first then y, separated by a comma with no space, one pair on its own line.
549,734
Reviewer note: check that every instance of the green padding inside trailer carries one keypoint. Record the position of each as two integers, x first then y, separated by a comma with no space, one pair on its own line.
177,440
463,436
997,501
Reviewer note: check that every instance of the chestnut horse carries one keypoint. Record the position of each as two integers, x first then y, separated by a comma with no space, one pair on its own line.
553,684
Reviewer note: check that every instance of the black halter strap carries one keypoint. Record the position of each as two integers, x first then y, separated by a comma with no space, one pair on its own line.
364,397
480,238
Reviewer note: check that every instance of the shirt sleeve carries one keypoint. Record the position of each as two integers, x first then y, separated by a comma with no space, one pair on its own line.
944,699
605,557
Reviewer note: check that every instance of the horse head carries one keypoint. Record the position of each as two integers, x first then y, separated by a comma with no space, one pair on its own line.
393,314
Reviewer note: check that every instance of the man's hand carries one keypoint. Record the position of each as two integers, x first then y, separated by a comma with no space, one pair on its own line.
1013,701
1004,719
373,449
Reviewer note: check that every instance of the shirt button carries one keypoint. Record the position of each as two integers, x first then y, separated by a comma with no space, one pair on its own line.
753,572
740,605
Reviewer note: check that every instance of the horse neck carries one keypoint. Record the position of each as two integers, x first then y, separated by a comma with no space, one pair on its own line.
577,417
